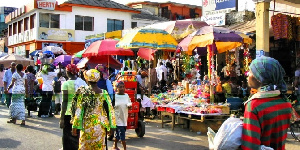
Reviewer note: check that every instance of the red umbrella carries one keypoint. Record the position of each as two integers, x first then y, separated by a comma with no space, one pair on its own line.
95,60
146,53
106,47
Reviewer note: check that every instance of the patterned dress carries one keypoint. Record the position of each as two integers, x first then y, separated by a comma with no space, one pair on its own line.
17,106
91,118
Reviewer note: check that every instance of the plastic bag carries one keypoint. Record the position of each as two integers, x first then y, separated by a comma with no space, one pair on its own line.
211,135
229,135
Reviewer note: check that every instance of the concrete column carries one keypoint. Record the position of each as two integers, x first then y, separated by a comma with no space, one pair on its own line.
262,27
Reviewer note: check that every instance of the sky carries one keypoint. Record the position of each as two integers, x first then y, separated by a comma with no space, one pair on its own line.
248,4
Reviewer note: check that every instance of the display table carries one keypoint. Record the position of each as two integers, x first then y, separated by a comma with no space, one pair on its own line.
193,121
172,121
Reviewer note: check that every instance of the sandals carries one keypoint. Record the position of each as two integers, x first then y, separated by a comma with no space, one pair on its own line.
11,121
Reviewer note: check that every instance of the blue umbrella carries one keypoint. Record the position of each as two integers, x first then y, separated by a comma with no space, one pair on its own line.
35,53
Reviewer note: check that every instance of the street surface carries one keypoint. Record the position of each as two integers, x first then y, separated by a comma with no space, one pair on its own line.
45,134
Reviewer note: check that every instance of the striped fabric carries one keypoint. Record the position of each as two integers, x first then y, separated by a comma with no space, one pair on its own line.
266,121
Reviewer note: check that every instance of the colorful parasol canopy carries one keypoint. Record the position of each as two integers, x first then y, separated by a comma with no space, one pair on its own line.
54,50
148,38
65,60
106,47
179,29
79,54
93,61
146,53
8,59
224,39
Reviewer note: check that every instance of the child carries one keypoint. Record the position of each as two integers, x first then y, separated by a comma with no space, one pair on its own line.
122,102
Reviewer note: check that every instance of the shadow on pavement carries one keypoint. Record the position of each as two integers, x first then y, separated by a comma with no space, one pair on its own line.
9,143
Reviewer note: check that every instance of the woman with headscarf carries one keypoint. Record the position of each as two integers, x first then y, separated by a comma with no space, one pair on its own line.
19,89
68,92
104,82
92,113
47,75
267,113
30,85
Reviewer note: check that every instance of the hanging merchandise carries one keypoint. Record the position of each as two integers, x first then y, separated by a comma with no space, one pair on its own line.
237,60
247,60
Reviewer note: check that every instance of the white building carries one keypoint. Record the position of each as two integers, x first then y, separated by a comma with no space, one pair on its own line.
45,23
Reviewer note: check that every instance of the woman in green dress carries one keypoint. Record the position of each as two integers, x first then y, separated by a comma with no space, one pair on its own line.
92,113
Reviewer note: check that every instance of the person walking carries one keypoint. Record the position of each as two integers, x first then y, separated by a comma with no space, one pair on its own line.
47,91
268,112
57,84
30,84
2,95
17,106
92,113
7,81
122,102
69,141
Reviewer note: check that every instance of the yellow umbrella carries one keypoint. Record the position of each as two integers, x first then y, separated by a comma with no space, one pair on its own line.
149,38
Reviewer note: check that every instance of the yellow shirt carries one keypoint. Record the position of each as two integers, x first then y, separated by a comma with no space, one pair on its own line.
227,88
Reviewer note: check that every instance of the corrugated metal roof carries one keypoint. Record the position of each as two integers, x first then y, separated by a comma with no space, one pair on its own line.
101,3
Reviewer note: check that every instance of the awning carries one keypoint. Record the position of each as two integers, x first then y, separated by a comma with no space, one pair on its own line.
247,27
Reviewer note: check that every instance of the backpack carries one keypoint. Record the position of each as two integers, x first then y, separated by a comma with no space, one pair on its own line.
57,86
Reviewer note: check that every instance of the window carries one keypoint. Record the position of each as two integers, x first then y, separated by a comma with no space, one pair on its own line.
15,27
26,23
20,26
84,23
32,21
113,25
49,20
10,30
133,24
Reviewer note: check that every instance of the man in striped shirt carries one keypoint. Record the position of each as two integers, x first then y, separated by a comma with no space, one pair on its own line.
267,113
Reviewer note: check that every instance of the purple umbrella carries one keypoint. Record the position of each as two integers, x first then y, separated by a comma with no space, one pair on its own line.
65,60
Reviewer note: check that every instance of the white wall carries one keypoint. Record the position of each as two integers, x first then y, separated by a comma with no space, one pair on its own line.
100,20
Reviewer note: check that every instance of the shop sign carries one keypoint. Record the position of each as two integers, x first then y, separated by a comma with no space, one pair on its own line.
8,10
56,34
46,4
20,50
214,20
93,38
210,7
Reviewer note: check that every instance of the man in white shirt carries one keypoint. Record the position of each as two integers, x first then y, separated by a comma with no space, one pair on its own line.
162,72
7,80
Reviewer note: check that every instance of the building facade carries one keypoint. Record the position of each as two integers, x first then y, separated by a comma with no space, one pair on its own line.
169,10
45,23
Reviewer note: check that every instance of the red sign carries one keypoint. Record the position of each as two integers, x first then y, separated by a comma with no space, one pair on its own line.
46,4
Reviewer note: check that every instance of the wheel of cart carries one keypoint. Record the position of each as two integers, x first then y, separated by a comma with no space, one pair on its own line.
133,122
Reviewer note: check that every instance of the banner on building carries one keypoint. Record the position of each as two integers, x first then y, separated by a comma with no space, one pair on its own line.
56,34
214,20
46,4
93,38
211,7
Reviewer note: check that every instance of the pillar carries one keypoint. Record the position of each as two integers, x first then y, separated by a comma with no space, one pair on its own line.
262,27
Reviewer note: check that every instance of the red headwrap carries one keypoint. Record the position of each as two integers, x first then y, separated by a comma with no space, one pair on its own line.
72,69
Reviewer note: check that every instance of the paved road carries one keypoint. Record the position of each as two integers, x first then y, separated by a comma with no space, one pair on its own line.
44,134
